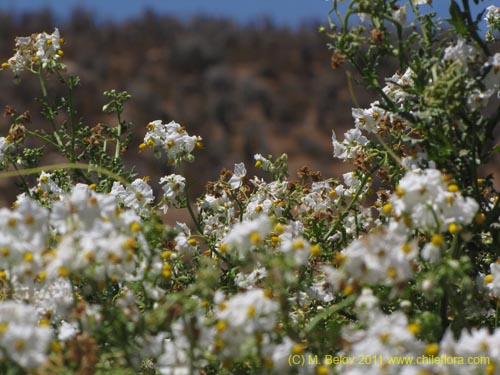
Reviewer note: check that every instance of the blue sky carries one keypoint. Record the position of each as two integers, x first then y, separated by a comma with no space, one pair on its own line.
283,12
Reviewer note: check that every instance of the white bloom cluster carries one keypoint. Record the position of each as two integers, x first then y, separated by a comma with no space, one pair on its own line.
492,79
382,257
492,14
47,188
321,197
217,214
368,119
171,138
173,187
99,238
397,85
138,196
423,200
269,199
183,347
386,336
246,236
461,52
241,318
36,51
22,337
24,239
351,146
249,281
492,19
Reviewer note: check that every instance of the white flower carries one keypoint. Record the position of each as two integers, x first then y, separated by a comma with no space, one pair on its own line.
262,162
352,145
368,119
246,235
400,14
492,15
367,305
479,99
380,256
22,338
184,244
173,187
385,335
492,79
321,291
397,84
172,139
182,349
296,247
492,281
52,298
461,51
238,176
422,200
431,252
247,313
279,355
137,196
67,330
38,50
249,281
474,343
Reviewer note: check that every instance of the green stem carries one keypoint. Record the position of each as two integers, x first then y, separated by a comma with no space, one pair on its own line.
497,312
353,201
188,204
77,166
455,249
51,120
473,28
45,139
71,112
118,138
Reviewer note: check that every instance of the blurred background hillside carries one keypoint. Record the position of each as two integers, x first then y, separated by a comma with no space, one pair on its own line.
246,89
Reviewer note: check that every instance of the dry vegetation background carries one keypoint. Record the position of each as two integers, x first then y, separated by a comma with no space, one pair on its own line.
245,89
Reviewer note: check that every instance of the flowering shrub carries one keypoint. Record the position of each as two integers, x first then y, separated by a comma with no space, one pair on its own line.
395,268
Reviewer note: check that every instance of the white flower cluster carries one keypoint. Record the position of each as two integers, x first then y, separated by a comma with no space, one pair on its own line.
269,199
424,200
171,138
138,196
492,19
99,239
240,320
23,338
178,351
36,51
390,343
245,237
380,257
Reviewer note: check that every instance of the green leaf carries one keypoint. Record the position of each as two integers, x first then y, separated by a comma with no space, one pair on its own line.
329,311
457,19
495,150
